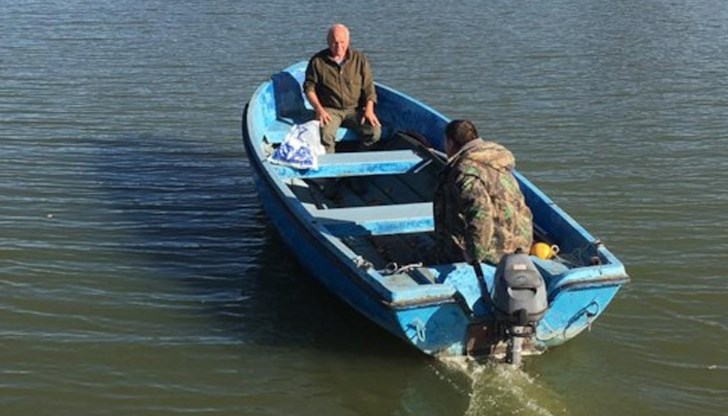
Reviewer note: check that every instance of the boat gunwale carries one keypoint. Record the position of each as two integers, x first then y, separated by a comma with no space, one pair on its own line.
605,270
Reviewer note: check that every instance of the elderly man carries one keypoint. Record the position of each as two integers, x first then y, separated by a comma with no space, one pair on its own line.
340,87
480,213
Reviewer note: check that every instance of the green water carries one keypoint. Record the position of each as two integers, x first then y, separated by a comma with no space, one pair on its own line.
139,275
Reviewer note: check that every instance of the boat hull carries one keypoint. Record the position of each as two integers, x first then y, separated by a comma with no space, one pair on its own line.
445,312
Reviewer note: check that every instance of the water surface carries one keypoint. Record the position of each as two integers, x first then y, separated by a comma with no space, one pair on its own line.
139,275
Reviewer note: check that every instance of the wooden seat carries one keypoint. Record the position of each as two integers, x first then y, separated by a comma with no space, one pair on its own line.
376,220
333,165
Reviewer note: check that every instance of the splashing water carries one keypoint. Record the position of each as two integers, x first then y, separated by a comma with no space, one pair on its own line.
502,389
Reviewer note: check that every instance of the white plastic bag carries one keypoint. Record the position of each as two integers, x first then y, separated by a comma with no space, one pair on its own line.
301,147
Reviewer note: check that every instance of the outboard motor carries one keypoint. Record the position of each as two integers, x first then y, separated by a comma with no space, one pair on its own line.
519,300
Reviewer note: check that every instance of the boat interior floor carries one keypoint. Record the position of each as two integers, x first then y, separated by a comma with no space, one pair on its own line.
384,216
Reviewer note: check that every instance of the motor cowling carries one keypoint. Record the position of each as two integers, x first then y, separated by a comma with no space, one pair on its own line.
519,293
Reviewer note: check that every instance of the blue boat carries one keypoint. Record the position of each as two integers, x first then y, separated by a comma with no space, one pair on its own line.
368,243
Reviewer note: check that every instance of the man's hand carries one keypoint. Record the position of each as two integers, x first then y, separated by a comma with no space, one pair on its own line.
369,115
323,116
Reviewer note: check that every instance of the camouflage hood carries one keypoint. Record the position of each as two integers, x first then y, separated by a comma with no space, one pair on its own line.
486,153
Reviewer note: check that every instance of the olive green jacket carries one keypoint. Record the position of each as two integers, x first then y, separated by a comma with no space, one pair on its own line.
346,87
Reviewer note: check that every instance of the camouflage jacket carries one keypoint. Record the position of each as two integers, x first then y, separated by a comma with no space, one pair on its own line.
480,213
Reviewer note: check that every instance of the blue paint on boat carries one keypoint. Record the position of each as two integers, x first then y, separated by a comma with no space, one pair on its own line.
364,249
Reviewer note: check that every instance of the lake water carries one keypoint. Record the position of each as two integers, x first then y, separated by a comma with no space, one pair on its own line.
139,275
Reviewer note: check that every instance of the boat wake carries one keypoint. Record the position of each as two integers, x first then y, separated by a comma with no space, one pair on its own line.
502,389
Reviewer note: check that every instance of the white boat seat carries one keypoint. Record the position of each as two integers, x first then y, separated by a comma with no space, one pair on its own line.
334,165
376,220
